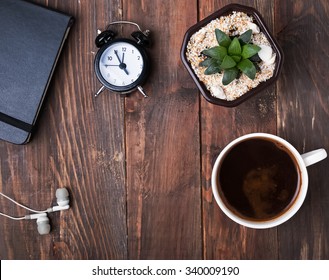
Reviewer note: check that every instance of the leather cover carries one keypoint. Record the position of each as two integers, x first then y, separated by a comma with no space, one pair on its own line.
31,38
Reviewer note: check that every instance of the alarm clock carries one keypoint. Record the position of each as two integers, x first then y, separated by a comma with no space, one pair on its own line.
122,65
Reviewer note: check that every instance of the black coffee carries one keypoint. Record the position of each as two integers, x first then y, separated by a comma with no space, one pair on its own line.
258,179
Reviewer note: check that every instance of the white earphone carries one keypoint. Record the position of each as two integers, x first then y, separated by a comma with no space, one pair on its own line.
63,201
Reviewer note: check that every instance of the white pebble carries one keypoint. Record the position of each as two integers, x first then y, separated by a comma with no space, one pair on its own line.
255,29
265,53
218,92
271,60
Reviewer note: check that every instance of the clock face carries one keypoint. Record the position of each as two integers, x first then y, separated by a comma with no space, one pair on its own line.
121,65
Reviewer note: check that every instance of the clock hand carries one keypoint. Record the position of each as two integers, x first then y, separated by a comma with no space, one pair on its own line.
116,53
106,65
122,65
123,58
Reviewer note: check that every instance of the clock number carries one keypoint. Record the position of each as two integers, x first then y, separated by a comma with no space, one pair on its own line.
138,57
132,51
124,49
109,58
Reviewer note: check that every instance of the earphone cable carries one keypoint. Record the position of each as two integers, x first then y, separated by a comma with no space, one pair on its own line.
21,205
11,217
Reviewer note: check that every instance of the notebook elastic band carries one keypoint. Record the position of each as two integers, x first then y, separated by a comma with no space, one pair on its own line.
15,122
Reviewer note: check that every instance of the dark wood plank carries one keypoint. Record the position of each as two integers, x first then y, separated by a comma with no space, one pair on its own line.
224,239
162,139
79,144
303,111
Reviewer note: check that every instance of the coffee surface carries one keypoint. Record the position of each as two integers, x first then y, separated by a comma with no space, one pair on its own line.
259,179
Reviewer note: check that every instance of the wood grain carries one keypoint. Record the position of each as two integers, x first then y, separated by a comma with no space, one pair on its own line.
163,145
303,119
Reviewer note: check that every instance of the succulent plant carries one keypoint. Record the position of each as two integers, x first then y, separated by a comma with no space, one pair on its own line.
233,55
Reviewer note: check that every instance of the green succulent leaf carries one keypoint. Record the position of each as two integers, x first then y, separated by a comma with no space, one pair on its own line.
249,50
207,62
256,66
255,58
245,37
228,62
218,52
212,69
236,58
233,55
234,48
222,38
212,65
248,68
230,75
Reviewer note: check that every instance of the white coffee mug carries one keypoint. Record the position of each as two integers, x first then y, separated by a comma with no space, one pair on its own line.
302,161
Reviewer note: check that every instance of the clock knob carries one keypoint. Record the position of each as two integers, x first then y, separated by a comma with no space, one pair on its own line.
142,38
104,37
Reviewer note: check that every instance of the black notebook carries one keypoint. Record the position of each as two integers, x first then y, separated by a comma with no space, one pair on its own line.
31,39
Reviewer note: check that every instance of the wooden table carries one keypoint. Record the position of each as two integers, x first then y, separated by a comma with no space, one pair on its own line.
138,170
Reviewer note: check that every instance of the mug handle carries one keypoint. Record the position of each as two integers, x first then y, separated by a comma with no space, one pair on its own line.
314,156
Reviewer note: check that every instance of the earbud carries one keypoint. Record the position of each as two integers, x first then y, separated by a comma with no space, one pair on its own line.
43,225
62,196
42,222
63,200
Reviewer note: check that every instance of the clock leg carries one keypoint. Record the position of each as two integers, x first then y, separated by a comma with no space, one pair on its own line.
100,91
140,89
